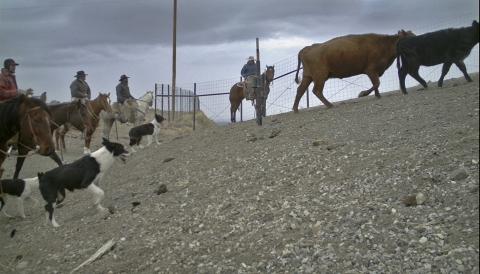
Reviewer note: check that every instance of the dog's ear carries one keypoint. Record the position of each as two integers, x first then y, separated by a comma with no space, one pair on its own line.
40,174
105,142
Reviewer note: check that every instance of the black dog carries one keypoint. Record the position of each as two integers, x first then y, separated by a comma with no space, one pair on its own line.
150,129
84,173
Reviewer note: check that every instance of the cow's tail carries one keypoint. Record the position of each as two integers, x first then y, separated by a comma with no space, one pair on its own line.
298,68
398,55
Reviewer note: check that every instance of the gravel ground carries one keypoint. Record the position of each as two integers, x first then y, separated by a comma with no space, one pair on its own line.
370,186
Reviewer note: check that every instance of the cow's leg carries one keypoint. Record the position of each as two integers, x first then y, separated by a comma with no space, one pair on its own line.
445,69
318,91
414,73
301,91
402,74
461,65
375,82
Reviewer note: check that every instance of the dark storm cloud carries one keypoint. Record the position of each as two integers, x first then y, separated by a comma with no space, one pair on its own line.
108,38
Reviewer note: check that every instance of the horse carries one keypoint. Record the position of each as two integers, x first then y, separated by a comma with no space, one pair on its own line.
102,102
29,116
139,114
236,92
74,113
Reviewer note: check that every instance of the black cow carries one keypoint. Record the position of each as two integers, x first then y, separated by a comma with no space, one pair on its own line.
448,46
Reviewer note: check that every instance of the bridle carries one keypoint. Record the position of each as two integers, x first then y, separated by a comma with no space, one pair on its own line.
35,140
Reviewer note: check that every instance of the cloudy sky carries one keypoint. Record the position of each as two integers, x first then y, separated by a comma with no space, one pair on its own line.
53,39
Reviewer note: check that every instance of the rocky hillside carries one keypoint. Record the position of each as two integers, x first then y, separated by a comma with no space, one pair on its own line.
370,186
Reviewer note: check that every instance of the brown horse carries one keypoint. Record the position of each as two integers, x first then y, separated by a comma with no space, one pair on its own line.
29,116
72,112
75,113
102,102
237,96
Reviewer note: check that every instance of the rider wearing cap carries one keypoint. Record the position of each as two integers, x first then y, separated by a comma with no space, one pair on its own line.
8,82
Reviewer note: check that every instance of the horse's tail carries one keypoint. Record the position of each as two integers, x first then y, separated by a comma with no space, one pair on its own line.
298,67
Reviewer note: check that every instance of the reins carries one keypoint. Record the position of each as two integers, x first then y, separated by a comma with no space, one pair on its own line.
31,130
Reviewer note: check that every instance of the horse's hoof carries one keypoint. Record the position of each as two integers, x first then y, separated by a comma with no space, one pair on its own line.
361,94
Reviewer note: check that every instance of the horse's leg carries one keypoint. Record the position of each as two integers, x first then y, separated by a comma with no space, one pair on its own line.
22,151
88,139
57,135
64,132
107,125
233,109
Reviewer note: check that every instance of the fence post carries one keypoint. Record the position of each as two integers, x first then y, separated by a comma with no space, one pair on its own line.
194,104
168,101
258,100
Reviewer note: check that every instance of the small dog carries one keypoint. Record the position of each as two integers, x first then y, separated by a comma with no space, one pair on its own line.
19,189
150,129
84,173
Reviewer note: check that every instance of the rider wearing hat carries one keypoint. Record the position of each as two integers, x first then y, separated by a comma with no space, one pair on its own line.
123,91
250,68
123,94
79,88
248,71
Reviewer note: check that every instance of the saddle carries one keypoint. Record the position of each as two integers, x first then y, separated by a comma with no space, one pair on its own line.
248,91
125,111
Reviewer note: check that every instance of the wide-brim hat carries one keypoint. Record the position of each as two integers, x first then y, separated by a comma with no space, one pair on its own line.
123,77
8,62
80,73
251,58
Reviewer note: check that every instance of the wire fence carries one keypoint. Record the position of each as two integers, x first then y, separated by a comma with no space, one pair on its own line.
213,97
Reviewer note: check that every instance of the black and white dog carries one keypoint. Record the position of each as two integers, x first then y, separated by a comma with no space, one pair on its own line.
20,190
150,129
84,173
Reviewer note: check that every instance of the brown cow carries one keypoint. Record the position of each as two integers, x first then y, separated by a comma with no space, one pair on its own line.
346,56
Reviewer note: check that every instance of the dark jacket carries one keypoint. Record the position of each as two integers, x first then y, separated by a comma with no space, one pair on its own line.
79,88
123,92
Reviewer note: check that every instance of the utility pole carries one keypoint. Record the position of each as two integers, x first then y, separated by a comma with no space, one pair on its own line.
174,61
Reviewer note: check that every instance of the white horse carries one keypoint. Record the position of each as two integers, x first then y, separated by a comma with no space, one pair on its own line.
109,117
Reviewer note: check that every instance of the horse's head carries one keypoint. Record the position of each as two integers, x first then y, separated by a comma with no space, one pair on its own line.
104,102
35,124
270,73
150,98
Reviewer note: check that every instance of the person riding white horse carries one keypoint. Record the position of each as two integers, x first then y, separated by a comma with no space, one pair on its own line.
142,104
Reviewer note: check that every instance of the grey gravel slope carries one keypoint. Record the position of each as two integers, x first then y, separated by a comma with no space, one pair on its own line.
248,199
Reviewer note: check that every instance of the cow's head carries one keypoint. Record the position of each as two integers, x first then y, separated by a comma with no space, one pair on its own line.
475,27
405,33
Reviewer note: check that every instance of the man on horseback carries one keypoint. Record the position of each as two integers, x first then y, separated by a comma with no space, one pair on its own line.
79,88
248,70
9,89
124,96
8,82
